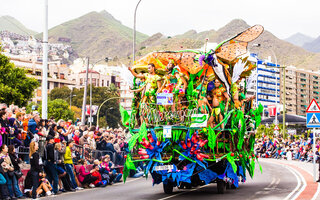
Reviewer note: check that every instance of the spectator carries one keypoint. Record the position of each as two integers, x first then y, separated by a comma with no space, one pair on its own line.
84,176
59,157
69,165
4,193
14,159
91,141
76,136
43,189
51,164
84,139
36,169
33,130
99,182
114,176
11,179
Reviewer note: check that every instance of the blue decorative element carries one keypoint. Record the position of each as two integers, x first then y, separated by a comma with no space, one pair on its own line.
176,175
207,176
156,151
230,174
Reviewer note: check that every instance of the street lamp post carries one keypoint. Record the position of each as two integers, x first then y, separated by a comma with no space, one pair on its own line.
134,32
101,106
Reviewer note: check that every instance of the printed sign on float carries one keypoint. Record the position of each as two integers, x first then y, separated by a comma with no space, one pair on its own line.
199,120
167,131
164,98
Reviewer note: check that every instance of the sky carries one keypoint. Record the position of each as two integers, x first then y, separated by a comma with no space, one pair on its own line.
171,17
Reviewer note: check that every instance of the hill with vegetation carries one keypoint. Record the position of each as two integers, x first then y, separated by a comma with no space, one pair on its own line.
8,23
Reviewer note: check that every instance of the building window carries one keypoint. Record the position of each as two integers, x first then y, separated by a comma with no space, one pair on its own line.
102,84
56,84
302,74
81,81
38,73
108,83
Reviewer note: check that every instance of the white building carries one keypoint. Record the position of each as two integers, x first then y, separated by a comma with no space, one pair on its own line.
103,76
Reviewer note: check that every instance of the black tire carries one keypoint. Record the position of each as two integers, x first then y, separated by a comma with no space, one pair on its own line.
221,186
168,188
233,187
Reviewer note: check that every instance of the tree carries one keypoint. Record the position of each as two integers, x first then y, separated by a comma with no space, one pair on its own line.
58,109
60,93
15,86
77,111
109,110
103,122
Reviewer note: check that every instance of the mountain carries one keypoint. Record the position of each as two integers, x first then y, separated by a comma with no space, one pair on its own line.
313,46
299,39
8,23
286,53
97,35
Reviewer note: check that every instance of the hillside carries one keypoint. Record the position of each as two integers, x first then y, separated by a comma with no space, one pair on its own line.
8,23
313,46
96,35
299,39
287,53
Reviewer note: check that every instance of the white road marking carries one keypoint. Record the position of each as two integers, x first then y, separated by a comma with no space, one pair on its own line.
299,178
297,187
317,193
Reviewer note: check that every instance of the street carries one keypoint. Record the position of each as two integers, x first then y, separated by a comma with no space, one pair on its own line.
276,182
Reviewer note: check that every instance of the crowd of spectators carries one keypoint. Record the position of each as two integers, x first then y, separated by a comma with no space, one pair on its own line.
53,149
292,148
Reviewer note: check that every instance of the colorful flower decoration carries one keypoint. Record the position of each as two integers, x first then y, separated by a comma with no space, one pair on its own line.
192,148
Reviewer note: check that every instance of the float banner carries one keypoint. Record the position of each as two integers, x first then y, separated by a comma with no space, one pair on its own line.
164,98
199,120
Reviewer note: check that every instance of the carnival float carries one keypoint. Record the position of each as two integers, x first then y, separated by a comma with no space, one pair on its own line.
192,121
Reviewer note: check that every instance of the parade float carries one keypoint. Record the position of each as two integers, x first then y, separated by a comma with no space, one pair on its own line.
192,121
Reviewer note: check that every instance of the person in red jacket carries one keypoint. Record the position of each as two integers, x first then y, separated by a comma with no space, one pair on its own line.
99,182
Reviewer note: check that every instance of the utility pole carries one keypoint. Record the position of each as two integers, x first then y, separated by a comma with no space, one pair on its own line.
45,64
284,101
83,117
91,97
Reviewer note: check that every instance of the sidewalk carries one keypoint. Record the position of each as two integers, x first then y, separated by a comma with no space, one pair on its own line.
310,189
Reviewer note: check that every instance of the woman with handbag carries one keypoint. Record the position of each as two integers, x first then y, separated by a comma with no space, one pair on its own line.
8,168
15,161
36,167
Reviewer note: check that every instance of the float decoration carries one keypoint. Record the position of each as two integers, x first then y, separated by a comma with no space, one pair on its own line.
192,121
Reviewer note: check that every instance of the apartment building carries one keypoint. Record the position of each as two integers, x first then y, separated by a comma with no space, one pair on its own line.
103,76
58,74
301,87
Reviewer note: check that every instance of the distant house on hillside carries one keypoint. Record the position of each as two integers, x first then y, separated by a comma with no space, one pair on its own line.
62,39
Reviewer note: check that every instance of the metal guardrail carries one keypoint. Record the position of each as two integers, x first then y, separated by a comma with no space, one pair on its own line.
86,153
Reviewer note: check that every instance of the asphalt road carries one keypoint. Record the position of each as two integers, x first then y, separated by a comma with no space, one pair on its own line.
276,182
